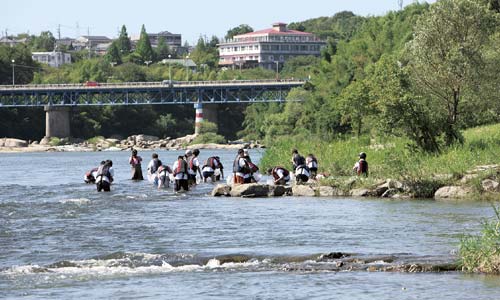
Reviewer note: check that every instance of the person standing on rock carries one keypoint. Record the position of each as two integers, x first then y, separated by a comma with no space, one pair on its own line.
135,161
361,166
241,169
280,175
297,159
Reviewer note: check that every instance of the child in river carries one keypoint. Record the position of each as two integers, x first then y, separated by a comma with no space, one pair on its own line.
135,162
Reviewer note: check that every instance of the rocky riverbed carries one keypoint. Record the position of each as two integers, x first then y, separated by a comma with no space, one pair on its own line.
140,142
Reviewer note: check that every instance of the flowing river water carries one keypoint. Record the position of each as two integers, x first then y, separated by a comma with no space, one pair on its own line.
60,239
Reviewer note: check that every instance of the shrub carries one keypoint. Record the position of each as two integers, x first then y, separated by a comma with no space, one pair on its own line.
481,253
209,137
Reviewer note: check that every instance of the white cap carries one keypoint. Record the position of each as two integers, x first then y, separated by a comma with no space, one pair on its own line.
245,151
188,152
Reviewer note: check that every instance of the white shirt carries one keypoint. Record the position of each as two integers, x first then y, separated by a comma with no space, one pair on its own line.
196,163
151,166
180,175
242,162
311,163
207,169
302,171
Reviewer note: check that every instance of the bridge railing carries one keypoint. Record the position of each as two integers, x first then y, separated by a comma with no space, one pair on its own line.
151,84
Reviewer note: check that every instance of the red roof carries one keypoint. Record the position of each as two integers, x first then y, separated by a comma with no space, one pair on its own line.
273,31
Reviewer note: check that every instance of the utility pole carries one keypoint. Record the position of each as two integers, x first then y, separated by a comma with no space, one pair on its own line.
88,37
59,31
400,3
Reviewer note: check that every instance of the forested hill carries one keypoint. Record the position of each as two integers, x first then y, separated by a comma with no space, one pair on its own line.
424,72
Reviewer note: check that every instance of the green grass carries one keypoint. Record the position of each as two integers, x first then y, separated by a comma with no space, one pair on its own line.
96,140
208,138
391,157
481,253
55,141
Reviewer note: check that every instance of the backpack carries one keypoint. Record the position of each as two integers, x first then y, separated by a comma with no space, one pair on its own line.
181,167
363,167
253,167
192,166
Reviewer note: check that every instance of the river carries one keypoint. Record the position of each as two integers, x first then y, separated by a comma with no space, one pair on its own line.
60,239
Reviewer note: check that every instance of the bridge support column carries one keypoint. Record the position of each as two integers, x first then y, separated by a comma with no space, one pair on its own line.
57,121
204,112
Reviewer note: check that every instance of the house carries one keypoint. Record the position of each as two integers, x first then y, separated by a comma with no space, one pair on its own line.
8,41
268,48
88,41
53,58
173,40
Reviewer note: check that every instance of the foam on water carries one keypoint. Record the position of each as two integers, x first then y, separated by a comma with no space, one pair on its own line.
78,201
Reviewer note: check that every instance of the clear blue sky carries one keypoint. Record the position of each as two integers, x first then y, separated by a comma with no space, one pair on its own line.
189,18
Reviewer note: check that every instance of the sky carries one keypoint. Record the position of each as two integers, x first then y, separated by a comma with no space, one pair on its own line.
192,19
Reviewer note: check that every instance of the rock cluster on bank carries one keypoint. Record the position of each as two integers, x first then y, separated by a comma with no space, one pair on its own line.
489,185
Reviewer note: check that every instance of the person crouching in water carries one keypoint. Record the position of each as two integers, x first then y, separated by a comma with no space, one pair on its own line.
280,175
89,177
180,171
153,166
209,168
361,166
241,170
104,176
163,176
135,162
312,165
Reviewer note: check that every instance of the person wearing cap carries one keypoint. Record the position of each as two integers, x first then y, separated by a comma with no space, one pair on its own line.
135,162
361,166
241,169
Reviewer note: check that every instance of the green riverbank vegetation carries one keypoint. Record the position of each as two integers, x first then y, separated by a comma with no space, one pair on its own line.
481,253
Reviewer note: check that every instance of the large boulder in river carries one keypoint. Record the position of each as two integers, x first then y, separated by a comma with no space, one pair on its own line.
250,190
453,192
221,190
303,190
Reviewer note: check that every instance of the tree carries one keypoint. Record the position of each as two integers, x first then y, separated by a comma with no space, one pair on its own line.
113,54
447,55
206,53
22,59
242,29
162,50
144,49
45,42
123,41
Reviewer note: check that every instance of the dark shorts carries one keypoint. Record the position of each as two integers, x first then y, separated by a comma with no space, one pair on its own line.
208,174
301,178
181,183
103,186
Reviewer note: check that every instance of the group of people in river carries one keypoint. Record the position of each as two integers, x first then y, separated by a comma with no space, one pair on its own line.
187,168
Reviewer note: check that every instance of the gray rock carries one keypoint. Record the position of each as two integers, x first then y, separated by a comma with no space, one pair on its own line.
303,190
327,191
221,190
250,190
468,177
390,193
453,192
490,185
361,192
14,143
277,191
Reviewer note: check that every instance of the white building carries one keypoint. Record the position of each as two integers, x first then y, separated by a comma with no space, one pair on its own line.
268,48
53,59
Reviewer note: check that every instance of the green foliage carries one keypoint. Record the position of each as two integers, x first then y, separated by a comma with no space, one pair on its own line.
481,253
24,64
45,42
144,50
447,57
123,41
205,53
113,54
241,29
209,138
206,127
162,50
55,141
342,25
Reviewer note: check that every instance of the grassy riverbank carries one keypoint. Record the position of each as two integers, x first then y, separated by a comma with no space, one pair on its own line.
393,158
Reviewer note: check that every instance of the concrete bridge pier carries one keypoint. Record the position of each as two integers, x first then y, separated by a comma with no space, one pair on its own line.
57,121
204,112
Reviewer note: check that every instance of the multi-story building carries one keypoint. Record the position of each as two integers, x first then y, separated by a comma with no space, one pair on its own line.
173,40
90,42
268,48
53,59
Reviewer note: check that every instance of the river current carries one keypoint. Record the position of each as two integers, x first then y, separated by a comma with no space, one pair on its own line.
60,239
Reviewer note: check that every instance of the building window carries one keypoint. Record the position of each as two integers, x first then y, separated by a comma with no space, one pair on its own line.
271,58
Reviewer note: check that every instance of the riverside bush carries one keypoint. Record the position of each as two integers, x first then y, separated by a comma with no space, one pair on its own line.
481,253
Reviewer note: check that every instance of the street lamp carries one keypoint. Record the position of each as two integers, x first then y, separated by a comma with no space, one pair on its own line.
147,62
187,70
169,69
13,73
277,70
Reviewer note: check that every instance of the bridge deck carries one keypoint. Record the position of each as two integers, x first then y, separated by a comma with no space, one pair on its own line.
141,93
